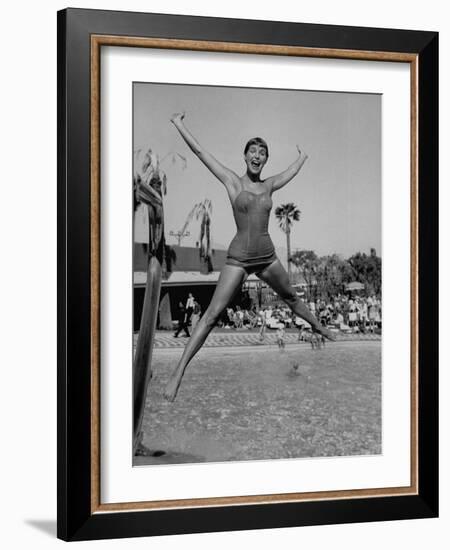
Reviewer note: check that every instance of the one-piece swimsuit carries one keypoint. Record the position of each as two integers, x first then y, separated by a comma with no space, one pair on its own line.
252,247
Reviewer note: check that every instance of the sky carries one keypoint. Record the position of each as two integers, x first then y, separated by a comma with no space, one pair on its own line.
338,190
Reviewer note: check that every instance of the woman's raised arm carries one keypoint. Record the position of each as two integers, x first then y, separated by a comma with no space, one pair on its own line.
224,174
281,179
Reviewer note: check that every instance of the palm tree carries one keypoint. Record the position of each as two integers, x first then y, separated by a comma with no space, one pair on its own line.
204,214
202,211
150,185
169,258
286,215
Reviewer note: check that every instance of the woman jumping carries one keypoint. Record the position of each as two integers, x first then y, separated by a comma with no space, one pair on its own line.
251,250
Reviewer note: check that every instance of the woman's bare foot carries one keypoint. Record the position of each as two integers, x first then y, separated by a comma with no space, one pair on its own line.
320,329
172,387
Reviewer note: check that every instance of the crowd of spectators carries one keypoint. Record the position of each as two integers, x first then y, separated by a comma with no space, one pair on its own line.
343,313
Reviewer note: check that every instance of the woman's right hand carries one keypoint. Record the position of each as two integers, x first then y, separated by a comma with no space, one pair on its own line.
176,118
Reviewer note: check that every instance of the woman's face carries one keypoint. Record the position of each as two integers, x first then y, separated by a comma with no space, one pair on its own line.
255,159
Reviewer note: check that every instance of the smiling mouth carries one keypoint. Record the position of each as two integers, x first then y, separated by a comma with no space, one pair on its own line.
255,164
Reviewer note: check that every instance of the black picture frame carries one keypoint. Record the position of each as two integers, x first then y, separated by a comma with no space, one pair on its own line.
77,517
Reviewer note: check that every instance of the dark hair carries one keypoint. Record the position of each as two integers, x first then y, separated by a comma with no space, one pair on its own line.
257,141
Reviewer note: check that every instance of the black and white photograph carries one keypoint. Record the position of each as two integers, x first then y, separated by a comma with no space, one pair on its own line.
222,281
257,274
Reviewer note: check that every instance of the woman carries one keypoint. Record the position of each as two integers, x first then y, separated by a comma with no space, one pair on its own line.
262,330
251,250
195,315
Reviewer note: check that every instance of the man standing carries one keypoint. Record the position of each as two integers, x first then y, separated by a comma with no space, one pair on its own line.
182,321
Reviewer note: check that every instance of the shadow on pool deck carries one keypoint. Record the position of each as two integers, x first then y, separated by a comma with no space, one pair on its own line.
167,458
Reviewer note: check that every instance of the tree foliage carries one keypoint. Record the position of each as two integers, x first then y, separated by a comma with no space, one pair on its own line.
367,270
327,276
307,263
286,215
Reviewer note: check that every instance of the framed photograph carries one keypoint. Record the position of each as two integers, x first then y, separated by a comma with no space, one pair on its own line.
247,286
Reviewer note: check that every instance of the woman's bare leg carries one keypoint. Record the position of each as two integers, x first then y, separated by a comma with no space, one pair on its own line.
230,280
276,277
